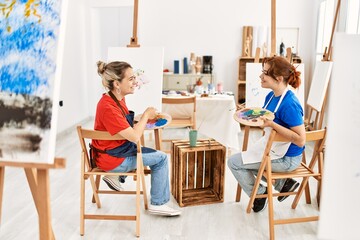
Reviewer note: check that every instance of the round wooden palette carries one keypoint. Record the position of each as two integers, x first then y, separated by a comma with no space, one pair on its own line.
160,121
251,116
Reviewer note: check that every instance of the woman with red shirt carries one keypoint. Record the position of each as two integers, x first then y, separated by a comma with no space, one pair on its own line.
113,116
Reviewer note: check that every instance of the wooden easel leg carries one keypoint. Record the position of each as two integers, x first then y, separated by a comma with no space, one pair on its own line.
244,148
39,185
2,174
44,210
157,139
238,193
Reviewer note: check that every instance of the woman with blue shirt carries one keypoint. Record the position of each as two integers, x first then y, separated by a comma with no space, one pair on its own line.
277,75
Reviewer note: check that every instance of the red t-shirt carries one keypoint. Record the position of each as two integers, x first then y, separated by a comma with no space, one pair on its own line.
110,118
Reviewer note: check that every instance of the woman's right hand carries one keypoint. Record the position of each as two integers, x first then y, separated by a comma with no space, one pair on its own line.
150,112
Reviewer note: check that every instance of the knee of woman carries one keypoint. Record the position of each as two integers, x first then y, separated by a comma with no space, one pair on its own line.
164,160
230,162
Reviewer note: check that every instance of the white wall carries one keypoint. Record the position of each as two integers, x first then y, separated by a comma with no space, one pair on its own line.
73,85
215,28
205,27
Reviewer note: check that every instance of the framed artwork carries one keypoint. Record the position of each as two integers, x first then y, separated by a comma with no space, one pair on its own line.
32,34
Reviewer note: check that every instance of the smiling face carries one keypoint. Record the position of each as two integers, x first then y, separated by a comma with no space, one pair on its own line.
127,84
267,81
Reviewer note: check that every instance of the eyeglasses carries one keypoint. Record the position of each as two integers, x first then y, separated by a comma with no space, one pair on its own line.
265,72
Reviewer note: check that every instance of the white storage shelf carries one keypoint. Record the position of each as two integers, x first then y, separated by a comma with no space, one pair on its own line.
180,81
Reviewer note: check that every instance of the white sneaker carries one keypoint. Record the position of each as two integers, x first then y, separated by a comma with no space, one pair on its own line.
113,182
163,210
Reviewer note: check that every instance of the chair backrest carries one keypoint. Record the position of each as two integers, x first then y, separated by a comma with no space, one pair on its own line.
317,136
183,100
87,134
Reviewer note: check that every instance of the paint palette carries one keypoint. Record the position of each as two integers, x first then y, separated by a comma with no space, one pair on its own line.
251,116
160,121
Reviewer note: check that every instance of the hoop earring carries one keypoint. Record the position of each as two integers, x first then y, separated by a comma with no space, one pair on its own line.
118,91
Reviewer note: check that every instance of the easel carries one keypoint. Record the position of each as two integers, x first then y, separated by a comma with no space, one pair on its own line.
257,60
319,115
134,43
134,39
37,175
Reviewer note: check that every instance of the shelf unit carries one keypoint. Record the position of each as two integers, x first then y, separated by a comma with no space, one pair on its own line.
180,81
241,81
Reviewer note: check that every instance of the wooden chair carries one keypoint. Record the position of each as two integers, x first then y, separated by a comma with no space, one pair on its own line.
88,172
181,122
303,171
244,148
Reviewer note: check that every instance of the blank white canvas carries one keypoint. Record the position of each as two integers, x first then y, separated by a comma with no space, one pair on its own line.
150,60
319,84
340,208
255,94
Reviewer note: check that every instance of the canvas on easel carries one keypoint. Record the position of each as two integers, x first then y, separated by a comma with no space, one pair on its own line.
30,68
319,84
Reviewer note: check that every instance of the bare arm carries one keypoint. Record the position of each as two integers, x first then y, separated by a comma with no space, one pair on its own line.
134,134
295,134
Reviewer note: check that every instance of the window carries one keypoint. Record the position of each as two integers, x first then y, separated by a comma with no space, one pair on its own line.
353,17
325,22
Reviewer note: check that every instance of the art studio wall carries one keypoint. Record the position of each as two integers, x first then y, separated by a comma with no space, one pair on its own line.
203,27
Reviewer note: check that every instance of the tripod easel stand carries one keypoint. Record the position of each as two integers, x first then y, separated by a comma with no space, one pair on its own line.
37,175
327,56
134,39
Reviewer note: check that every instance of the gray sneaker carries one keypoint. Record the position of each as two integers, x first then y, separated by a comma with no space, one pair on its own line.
113,182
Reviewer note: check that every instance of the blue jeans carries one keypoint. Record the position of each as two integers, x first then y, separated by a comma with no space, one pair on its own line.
245,173
158,163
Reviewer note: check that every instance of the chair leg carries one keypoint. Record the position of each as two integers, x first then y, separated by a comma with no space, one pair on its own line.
95,192
302,187
138,203
2,174
307,188
270,200
256,187
144,189
320,168
82,198
238,193
97,184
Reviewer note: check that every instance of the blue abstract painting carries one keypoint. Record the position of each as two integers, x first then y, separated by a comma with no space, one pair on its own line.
29,31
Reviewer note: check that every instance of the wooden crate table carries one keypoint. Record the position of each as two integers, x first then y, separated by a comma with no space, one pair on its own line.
197,173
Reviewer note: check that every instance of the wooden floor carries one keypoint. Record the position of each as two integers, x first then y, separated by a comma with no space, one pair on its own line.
227,220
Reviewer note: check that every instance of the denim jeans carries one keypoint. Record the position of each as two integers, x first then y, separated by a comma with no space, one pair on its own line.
245,173
158,163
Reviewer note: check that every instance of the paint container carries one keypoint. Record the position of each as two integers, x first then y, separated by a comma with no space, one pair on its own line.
185,65
176,66
219,87
193,137
211,88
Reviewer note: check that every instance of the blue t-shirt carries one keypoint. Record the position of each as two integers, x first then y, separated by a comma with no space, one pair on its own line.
289,114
